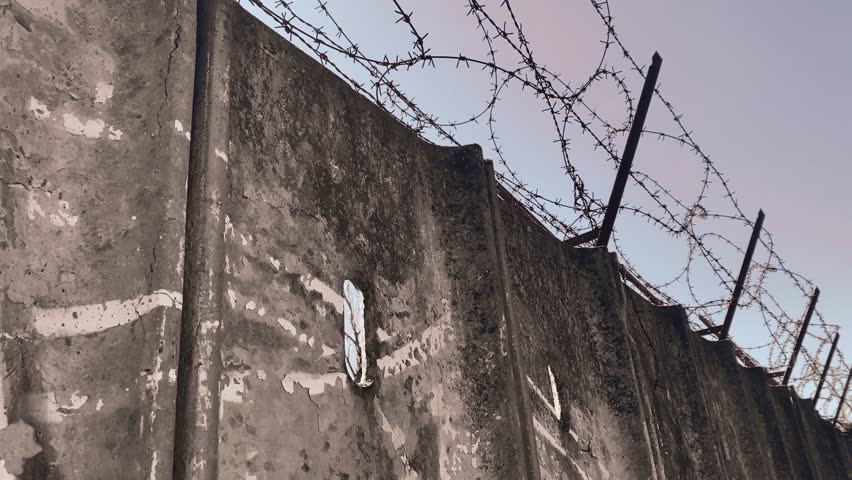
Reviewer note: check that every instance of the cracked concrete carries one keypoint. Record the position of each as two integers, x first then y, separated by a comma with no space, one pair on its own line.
92,196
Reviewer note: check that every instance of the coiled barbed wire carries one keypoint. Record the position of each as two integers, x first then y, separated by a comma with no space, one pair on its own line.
568,105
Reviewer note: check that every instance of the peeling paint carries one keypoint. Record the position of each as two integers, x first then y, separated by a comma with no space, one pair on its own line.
39,109
17,443
234,388
103,92
287,325
89,129
431,342
114,133
313,382
328,294
75,401
221,155
92,318
397,437
275,263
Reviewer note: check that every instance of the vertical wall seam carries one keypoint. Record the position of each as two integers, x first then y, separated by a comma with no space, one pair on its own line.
530,450
199,356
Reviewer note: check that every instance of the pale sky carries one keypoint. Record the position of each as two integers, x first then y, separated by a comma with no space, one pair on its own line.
764,86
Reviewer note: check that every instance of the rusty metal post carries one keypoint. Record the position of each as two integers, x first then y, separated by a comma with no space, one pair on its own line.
738,288
629,151
842,399
825,369
802,333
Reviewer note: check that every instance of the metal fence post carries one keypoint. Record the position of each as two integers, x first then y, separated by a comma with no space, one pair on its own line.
842,399
629,151
825,369
802,333
738,288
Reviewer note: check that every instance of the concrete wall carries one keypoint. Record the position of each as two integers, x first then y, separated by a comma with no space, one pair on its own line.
92,204
173,305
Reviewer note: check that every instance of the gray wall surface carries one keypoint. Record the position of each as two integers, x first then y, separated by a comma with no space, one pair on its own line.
179,215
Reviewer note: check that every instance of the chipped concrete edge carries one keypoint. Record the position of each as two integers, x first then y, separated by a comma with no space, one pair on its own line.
521,399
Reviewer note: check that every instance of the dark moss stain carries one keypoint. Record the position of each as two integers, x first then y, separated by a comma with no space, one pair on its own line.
426,458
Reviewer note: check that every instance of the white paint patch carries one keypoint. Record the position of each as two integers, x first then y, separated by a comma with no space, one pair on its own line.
69,219
234,389
315,383
39,109
261,375
97,317
430,343
178,125
4,474
155,460
89,129
76,401
172,375
261,312
555,407
250,305
327,351
329,295
542,432
114,133
232,298
221,155
99,405
287,325
383,335
32,206
275,263
4,419
229,228
103,92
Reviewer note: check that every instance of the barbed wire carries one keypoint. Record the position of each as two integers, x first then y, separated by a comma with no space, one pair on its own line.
698,221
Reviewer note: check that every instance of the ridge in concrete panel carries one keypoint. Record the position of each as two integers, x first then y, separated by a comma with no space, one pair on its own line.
92,183
730,409
680,409
586,411
787,415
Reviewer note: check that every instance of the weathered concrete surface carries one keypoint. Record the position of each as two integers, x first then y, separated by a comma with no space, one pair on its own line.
491,349
587,414
324,187
94,108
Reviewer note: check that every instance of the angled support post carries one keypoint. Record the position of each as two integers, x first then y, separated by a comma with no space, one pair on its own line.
582,238
842,399
802,333
629,151
738,288
825,369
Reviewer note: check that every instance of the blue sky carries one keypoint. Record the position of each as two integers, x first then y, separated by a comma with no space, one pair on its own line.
764,86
